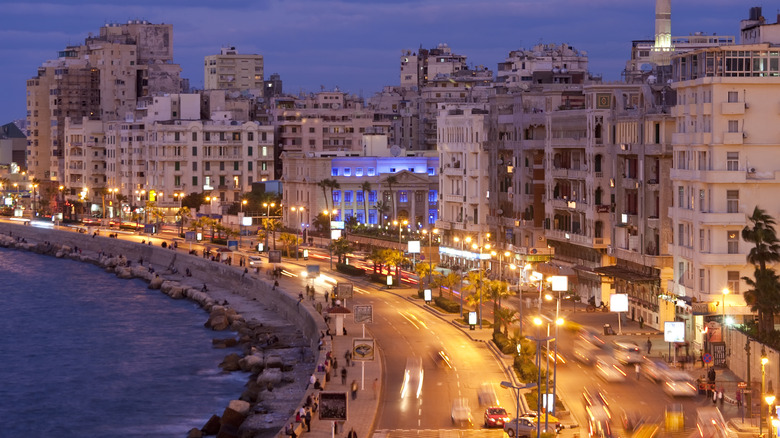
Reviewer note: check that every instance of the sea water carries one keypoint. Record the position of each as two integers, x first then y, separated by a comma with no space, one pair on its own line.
85,354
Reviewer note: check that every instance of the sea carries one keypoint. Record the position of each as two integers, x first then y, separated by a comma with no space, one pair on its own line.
85,354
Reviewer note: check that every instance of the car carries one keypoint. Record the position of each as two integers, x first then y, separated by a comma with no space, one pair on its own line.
413,378
599,422
442,359
679,387
552,421
461,412
486,394
596,397
585,352
609,370
496,416
655,369
520,427
255,260
627,352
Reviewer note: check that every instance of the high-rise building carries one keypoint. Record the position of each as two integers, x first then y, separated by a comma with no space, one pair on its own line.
233,71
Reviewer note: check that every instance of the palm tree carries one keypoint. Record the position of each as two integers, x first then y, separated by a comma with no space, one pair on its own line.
476,287
183,215
324,186
366,187
120,199
340,247
271,225
764,297
390,181
504,318
289,241
381,208
426,271
394,258
496,289
449,281
377,258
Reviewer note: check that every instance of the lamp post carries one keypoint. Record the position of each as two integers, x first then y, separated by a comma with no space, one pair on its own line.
769,398
508,385
267,221
299,210
764,361
180,197
558,322
399,224
520,297
430,257
725,291
330,234
475,246
34,186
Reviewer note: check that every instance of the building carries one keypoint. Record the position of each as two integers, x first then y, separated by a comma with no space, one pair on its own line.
233,71
13,145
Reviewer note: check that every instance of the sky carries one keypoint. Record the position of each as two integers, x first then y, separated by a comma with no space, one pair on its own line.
354,45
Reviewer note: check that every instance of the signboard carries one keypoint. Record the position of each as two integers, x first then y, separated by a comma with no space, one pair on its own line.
706,358
363,314
363,349
246,221
232,244
618,303
718,350
560,283
333,406
336,225
548,401
413,247
427,295
472,318
200,236
343,290
274,256
313,271
335,234
389,280
674,331
190,236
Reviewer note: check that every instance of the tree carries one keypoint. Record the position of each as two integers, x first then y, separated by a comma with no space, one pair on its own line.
764,297
504,318
325,184
381,209
390,181
271,225
321,223
366,188
394,258
449,281
425,271
183,216
289,241
120,199
341,247
476,288
496,290
376,256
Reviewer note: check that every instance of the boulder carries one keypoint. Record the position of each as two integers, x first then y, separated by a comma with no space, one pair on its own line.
269,375
194,433
231,417
218,322
212,426
274,362
176,292
124,272
230,362
156,282
228,431
239,406
249,363
224,343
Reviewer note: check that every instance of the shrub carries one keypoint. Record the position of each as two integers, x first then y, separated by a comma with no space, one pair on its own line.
350,270
504,344
447,304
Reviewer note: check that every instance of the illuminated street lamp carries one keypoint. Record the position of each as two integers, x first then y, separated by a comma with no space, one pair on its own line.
764,361
399,224
300,227
479,267
180,197
430,256
267,221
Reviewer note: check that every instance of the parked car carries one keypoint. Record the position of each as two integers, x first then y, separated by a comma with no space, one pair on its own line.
553,422
496,416
461,412
520,428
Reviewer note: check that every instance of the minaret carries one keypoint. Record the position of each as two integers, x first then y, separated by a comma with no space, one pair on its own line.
663,25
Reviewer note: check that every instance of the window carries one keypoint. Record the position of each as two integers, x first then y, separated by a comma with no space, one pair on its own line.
681,235
336,196
359,196
702,287
433,214
732,237
221,165
701,240
177,180
403,196
372,196
431,195
194,166
194,151
207,136
177,166
732,201
176,136
265,151
194,136
733,125
358,171
348,196
236,165
249,151
250,136
207,166
733,96
371,171
680,196
249,165
195,181
372,217
701,201
334,171
360,217
347,171
732,161
732,280
392,170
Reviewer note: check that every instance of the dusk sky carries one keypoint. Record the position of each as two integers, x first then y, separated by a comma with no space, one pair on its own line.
351,44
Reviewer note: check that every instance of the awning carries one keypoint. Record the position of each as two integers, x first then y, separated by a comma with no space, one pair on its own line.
624,273
553,269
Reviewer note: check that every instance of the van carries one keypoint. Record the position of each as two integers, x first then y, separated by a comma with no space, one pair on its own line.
627,352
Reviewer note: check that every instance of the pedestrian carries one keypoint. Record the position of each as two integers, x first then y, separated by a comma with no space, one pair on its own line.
312,380
714,396
720,397
354,388
276,283
649,345
352,433
343,376
739,398
308,420
348,357
637,368
290,430
375,387
701,358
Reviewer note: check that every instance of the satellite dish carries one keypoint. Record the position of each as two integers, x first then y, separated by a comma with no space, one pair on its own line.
395,150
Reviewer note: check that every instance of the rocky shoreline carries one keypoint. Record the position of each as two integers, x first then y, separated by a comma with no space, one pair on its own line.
274,335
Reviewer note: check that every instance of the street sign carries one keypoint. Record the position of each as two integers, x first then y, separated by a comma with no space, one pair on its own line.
742,385
707,358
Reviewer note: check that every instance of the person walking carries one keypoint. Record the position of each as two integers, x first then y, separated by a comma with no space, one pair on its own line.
649,345
354,389
343,376
720,397
375,387
637,368
307,418
352,433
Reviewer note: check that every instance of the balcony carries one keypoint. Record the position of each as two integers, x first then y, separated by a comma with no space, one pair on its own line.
722,219
732,108
454,198
736,138
710,259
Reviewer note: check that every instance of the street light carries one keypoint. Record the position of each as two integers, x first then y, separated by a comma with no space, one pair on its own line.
299,210
330,234
520,296
399,224
769,398
508,385
764,361
267,221
430,257
479,268
180,197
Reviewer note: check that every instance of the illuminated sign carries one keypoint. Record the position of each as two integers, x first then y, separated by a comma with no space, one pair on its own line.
674,331
618,303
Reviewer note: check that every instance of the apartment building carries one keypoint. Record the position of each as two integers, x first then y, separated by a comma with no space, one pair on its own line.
233,71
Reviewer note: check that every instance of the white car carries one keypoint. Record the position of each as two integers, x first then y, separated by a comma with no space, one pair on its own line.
461,412
609,370
255,261
679,384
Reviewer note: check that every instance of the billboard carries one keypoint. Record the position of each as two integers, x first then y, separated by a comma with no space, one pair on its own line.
313,271
343,290
274,256
333,406
560,283
618,303
674,331
362,349
363,314
413,247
